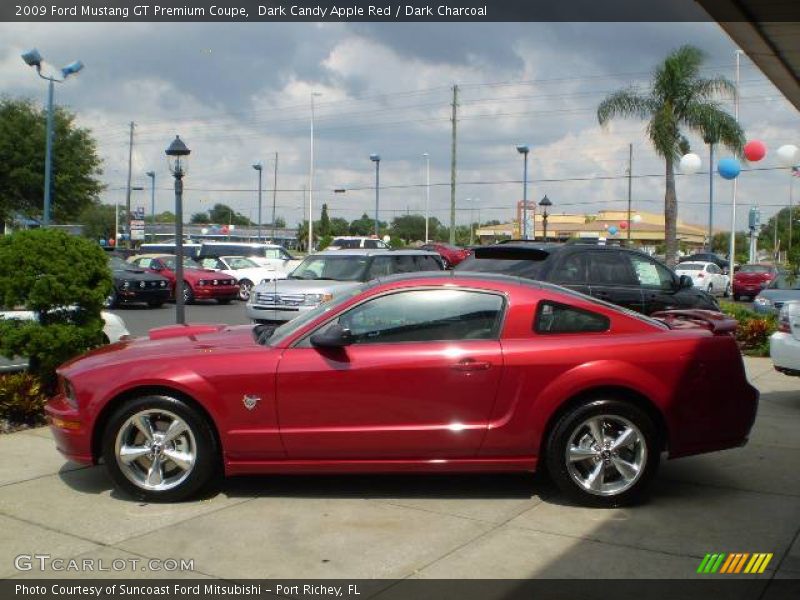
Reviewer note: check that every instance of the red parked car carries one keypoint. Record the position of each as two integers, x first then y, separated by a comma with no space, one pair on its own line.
451,255
749,280
455,372
198,283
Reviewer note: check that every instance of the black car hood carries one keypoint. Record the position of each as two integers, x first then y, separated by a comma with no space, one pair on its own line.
136,275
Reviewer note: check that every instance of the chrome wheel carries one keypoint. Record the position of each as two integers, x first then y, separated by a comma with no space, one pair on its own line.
606,455
155,450
245,287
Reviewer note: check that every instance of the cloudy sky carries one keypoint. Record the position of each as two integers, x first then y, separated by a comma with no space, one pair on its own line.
237,93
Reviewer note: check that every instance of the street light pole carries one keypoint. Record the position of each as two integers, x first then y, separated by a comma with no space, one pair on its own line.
427,194
545,203
152,176
34,59
377,160
258,168
732,249
178,153
274,195
311,180
524,149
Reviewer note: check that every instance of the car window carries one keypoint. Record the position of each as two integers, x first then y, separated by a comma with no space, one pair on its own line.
346,244
784,282
610,268
553,317
712,268
212,263
332,266
145,263
425,316
274,253
571,270
240,262
170,262
427,263
690,267
529,269
755,269
650,273
381,266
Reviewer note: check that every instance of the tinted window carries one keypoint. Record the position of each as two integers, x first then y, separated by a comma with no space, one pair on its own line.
650,273
346,244
381,266
332,266
424,316
755,269
552,317
783,282
609,268
530,269
690,267
572,269
427,263
212,263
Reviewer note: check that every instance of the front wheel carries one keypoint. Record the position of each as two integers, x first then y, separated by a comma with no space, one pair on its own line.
188,294
245,287
603,453
159,449
727,290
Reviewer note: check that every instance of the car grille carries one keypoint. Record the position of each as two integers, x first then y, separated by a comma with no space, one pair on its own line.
279,299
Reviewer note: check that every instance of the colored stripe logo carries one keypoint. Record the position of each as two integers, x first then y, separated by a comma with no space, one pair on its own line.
735,562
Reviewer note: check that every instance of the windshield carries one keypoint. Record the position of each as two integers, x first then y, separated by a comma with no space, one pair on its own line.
784,282
529,269
288,328
188,262
118,264
690,267
239,262
347,267
755,269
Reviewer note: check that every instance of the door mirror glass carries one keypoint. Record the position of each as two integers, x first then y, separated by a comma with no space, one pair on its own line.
685,282
334,336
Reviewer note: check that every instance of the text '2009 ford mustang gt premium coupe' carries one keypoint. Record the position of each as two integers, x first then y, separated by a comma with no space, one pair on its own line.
438,372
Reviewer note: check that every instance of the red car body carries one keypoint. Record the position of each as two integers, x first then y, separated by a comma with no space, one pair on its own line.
464,405
451,255
206,284
749,280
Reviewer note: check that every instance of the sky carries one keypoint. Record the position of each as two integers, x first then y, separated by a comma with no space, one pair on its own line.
237,93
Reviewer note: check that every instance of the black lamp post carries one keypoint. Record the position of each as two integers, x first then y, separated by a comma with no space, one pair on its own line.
177,157
377,160
544,203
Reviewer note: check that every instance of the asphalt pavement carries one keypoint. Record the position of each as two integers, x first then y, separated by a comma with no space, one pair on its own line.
140,318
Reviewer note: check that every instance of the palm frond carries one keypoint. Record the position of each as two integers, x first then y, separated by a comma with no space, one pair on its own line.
664,133
624,103
715,125
674,77
710,89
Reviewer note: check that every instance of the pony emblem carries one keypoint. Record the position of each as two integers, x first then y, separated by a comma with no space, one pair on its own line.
250,401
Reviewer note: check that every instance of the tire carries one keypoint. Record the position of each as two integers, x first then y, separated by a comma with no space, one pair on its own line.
224,300
736,297
188,294
245,287
727,292
710,289
445,263
155,303
112,301
574,429
177,480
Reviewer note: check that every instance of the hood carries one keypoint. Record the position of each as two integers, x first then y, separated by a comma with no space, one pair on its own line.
136,275
780,295
255,274
173,343
307,286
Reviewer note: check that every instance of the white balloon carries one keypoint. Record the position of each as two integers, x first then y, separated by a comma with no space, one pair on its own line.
788,155
690,163
636,218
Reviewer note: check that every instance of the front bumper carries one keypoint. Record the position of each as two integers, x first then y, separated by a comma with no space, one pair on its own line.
747,289
143,295
275,313
216,292
784,350
72,434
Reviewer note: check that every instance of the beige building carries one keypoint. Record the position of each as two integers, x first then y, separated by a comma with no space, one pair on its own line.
648,231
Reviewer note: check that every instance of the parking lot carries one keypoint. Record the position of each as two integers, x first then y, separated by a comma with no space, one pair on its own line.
480,526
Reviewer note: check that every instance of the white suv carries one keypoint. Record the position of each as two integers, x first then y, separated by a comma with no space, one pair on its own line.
354,242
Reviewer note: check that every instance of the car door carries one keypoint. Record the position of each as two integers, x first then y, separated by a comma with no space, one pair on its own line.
660,288
418,381
572,271
612,279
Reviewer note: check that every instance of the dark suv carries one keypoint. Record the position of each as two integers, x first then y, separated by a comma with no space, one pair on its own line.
625,277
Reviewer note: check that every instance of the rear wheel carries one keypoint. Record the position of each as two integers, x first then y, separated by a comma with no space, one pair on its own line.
727,290
445,263
188,294
710,289
111,300
603,453
736,297
159,448
245,287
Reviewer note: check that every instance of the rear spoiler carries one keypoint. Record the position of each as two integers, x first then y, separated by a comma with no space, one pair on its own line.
716,322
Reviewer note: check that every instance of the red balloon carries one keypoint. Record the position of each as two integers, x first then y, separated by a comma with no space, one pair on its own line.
755,150
225,230
623,224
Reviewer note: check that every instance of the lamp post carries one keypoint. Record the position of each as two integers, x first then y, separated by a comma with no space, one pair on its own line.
427,194
178,156
152,176
311,180
259,168
377,160
524,149
32,58
544,203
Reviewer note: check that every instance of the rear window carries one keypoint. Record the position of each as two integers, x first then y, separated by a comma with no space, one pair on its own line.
553,317
346,244
755,269
690,267
529,269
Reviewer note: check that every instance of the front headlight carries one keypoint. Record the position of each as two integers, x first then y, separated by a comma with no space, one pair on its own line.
202,282
314,299
761,301
125,284
69,393
163,284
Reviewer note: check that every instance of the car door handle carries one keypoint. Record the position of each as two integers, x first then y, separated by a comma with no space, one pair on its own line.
470,364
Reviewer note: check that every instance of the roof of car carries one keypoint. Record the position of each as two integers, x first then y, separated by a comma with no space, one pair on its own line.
466,276
248,244
373,252
693,262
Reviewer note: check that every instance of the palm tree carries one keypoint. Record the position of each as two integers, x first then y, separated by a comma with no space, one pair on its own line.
678,97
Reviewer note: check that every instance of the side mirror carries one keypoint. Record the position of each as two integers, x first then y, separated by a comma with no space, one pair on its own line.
685,282
334,336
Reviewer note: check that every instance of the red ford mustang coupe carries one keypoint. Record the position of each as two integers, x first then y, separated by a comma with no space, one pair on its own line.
456,372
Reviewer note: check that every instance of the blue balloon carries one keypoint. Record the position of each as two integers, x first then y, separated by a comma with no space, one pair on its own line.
729,168
613,230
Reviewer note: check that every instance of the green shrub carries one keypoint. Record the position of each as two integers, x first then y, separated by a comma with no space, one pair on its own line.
65,281
754,329
22,399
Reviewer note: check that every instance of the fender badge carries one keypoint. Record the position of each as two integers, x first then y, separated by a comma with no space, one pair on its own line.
250,401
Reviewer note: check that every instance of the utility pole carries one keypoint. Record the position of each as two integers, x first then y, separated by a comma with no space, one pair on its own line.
454,121
128,188
732,250
274,195
630,187
711,199
427,194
